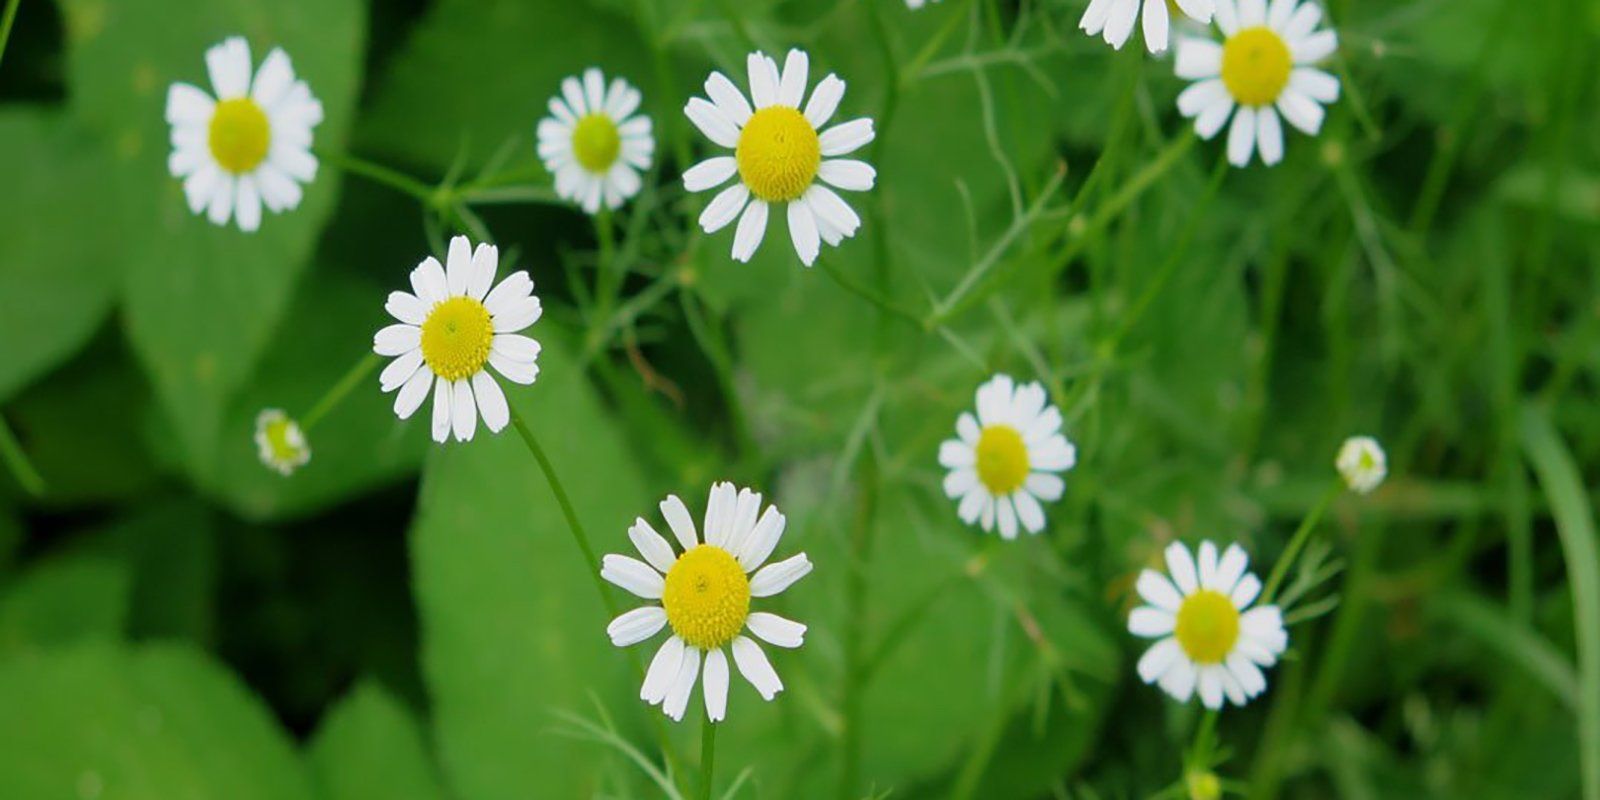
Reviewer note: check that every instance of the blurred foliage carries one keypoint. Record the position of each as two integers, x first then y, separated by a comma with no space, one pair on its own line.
406,620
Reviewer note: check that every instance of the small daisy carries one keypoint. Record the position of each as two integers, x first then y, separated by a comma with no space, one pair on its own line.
1112,20
1004,460
1207,637
248,146
449,330
916,4
593,143
1263,67
280,443
1362,464
705,593
778,156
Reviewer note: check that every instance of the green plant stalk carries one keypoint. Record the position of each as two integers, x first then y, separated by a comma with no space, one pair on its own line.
383,176
556,488
5,24
337,392
708,756
1298,542
914,67
856,601
17,460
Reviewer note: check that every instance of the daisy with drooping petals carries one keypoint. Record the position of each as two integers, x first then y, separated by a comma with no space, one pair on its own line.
781,156
1113,20
1209,637
1362,464
249,146
705,590
450,330
280,444
1264,68
1004,460
593,143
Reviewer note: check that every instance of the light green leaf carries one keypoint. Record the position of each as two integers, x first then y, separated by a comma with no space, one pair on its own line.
65,599
369,747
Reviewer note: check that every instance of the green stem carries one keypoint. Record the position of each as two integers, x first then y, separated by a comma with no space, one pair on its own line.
578,534
1292,552
382,175
11,451
884,304
329,401
856,601
5,24
708,757
910,72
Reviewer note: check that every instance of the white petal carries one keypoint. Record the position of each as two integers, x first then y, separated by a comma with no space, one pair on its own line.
776,630
1315,84
1119,25
189,105
1198,10
803,232
481,273
709,173
1006,515
413,393
516,315
1151,622
728,98
594,90
1155,25
1158,659
755,548
1201,96
1029,512
1180,565
967,428
1242,136
1244,593
677,700
678,519
662,671
715,685
792,86
458,265
1314,48
220,205
633,627
1212,118
755,667
774,578
960,481
744,520
832,209
724,208
406,307
848,174
515,346
655,549
463,411
1252,13
712,122
955,453
1197,59
514,288
1045,486
396,339
720,503
1229,569
1303,21
1094,17
1269,135
1207,563
824,101
1300,110
491,402
273,79
572,90
428,281
1158,591
763,80
521,372
441,409
229,65
1227,17
1180,677
1247,674
1211,687
1279,12
400,370
633,575
752,227
972,505
846,137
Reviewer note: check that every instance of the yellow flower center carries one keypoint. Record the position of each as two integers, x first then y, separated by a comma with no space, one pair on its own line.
596,143
778,154
240,135
1002,459
456,337
284,440
707,597
1208,626
1255,66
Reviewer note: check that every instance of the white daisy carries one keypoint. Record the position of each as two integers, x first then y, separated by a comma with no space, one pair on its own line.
704,593
1113,20
280,443
1005,459
592,142
1362,464
248,146
916,4
1263,67
449,330
1208,640
779,157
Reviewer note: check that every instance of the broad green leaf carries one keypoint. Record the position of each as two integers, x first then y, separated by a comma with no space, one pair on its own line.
64,599
157,722
369,747
201,300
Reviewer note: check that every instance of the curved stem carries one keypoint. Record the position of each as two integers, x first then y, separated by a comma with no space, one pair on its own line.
12,453
1292,552
5,24
329,401
708,757
380,174
556,488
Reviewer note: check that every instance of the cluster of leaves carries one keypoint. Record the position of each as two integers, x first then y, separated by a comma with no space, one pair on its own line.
1210,336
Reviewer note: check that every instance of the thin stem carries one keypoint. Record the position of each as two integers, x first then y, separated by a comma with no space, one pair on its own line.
329,401
856,600
380,174
708,756
17,460
1292,552
5,24
912,69
578,534
884,304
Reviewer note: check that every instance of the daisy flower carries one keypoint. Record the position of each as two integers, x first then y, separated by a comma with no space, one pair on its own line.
1113,20
449,330
1207,637
779,154
249,145
704,592
593,143
1263,67
1362,464
1004,460
280,443
916,4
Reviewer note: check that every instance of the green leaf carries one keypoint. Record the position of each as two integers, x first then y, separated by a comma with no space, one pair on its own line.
64,599
369,747
158,722
201,300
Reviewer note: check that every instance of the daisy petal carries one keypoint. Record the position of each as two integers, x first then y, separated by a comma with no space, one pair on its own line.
774,578
715,685
633,575
776,630
633,627
755,667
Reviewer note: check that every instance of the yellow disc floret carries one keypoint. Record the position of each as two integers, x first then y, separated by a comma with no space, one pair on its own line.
1255,66
707,597
240,135
1208,626
284,440
596,143
1002,459
778,154
456,338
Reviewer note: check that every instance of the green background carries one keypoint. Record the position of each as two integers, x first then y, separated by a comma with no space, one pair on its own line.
401,619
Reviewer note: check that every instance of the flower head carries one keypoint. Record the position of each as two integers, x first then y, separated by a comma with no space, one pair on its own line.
593,142
705,589
450,330
1262,69
280,443
1113,19
781,156
250,144
1362,464
1209,637
1004,461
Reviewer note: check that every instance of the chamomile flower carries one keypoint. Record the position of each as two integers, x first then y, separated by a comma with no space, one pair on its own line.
280,443
1208,635
916,4
1262,69
450,330
248,146
593,143
1004,461
1113,20
782,157
1362,464
704,590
